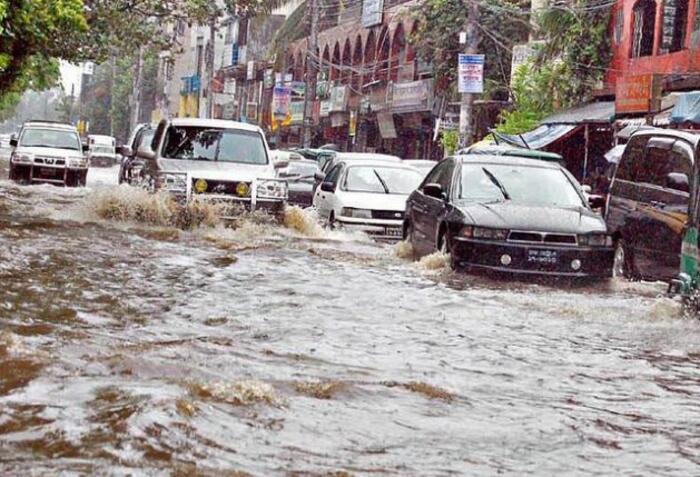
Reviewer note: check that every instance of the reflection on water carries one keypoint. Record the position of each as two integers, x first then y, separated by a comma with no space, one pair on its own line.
132,346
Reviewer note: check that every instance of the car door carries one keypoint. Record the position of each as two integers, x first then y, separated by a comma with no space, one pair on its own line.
656,228
323,200
425,210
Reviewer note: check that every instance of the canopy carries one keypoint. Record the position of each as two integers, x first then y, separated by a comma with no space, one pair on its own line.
538,138
598,112
687,109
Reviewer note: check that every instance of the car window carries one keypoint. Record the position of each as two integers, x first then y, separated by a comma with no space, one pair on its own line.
441,174
144,137
633,154
334,174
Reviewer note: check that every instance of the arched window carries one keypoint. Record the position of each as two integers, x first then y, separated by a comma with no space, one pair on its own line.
335,71
325,63
643,28
370,56
356,77
383,51
346,72
675,25
398,54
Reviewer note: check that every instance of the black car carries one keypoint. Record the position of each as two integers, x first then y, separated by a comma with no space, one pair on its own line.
648,202
131,165
508,214
299,175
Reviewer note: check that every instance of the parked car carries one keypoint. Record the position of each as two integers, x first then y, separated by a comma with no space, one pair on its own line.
508,214
512,151
131,165
214,160
647,210
49,153
366,195
102,150
327,161
300,175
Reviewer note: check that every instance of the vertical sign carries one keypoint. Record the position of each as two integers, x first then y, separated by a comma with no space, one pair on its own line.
251,70
281,99
471,73
352,126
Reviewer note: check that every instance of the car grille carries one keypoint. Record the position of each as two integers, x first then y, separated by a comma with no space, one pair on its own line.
387,215
542,238
50,161
218,187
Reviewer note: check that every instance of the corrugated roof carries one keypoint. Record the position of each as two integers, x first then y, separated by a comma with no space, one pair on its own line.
599,112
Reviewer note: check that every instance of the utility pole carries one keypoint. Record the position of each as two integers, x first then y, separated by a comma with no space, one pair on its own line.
136,93
312,56
466,112
113,64
210,66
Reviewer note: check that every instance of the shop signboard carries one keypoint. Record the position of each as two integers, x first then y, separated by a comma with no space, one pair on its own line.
377,99
252,112
387,128
250,71
269,78
230,86
296,108
638,94
339,98
298,88
372,12
281,99
229,110
324,109
413,96
471,73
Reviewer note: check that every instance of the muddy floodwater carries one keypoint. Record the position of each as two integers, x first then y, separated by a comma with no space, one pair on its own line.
131,344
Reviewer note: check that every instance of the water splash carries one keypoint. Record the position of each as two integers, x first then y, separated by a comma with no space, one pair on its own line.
240,393
436,261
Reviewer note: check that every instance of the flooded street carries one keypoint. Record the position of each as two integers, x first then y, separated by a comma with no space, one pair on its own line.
132,347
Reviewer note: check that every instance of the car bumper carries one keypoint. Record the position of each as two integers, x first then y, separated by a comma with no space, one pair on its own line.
42,174
593,262
379,229
271,206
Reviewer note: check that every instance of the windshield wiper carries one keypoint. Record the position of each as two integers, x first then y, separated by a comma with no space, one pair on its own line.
496,182
386,188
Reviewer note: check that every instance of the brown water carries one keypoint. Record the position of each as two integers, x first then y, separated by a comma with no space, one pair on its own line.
131,347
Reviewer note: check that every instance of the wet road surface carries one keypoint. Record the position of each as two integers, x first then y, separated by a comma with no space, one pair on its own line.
131,347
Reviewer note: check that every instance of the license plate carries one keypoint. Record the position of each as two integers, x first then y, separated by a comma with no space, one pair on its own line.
548,257
394,232
46,172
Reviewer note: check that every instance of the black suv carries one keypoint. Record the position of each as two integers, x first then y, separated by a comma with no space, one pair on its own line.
648,203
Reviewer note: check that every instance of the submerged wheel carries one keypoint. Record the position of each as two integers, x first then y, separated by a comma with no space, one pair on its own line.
624,265
444,247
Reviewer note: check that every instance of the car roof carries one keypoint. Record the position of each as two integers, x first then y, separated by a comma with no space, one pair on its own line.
369,156
374,163
507,160
48,125
511,151
214,123
692,137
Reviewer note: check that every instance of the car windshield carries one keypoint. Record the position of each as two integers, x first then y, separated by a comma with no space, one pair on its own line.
103,150
382,180
35,137
521,184
207,144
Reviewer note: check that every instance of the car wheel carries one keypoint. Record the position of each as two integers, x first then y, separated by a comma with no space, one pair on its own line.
623,265
408,236
331,221
444,247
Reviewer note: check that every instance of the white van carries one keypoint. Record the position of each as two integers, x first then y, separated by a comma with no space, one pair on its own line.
102,150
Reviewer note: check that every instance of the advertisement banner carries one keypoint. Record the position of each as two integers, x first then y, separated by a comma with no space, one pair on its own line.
471,73
412,96
638,94
281,99
339,98
324,109
296,108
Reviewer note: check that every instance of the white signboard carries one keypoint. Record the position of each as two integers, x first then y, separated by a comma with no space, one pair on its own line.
372,12
251,70
88,68
471,73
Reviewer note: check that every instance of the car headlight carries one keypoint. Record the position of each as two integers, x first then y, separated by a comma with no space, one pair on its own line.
484,233
77,162
272,189
356,213
595,240
22,158
172,181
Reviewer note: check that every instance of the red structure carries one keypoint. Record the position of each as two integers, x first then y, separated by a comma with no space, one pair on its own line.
656,50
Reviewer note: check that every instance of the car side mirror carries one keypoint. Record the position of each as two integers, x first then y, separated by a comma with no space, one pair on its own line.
86,147
434,190
146,153
327,187
13,142
678,181
319,176
586,189
125,151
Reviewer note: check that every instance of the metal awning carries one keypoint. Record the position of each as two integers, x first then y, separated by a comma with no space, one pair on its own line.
601,112
538,138
687,109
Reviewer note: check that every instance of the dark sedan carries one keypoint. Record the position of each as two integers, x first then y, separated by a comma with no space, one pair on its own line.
508,214
299,175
